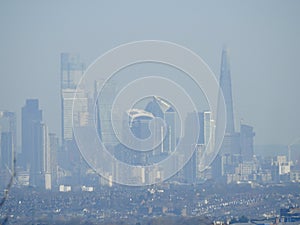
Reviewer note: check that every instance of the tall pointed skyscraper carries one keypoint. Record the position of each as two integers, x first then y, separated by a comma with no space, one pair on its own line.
230,143
225,84
236,146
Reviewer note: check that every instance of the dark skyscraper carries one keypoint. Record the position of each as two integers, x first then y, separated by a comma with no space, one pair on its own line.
35,145
246,137
225,84
31,115
40,155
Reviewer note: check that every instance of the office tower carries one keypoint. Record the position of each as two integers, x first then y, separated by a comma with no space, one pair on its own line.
36,161
139,122
35,145
199,152
104,100
162,109
170,140
246,142
31,114
39,148
189,170
198,166
155,106
54,146
206,143
72,70
8,124
43,170
209,131
7,157
7,146
43,157
230,143
201,132
7,139
6,151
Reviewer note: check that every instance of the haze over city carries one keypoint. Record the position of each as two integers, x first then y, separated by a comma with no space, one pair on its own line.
262,38
148,112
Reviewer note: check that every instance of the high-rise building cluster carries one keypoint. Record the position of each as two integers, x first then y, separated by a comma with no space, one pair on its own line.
44,162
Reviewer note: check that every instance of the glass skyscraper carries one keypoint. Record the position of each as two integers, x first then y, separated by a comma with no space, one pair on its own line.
231,141
31,114
38,154
225,85
35,146
72,70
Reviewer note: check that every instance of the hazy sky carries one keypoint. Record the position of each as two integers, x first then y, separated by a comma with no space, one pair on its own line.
263,38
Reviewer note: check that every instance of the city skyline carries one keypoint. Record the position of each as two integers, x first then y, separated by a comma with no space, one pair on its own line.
234,123
39,155
150,112
263,61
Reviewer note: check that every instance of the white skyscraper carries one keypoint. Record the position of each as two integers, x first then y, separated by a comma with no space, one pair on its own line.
206,144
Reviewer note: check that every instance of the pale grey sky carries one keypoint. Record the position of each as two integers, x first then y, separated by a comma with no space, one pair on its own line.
263,38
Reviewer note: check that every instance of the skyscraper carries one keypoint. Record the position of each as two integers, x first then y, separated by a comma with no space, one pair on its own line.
246,141
139,122
225,85
31,114
35,145
8,122
7,145
230,143
38,147
197,167
54,145
236,146
162,109
6,151
39,173
72,70
104,103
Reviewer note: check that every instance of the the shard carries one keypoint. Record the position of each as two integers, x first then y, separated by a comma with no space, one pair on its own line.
231,139
225,85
